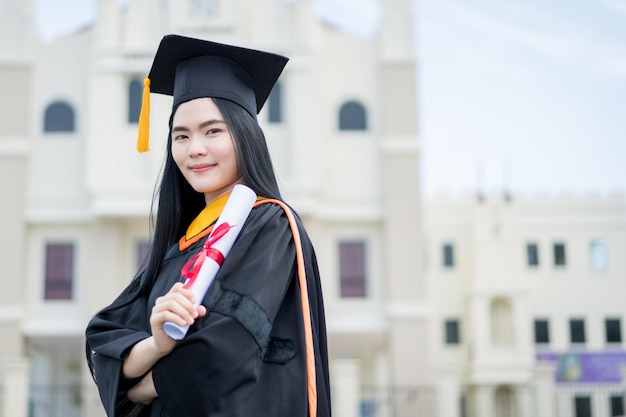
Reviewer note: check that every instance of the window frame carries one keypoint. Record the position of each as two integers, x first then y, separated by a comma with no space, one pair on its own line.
448,258
537,332
51,124
559,259
616,321
352,117
452,332
134,98
66,283
275,104
532,255
581,331
352,287
583,405
598,243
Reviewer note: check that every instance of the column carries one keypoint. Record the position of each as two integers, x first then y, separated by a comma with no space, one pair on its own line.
448,392
15,381
524,402
544,390
484,401
346,378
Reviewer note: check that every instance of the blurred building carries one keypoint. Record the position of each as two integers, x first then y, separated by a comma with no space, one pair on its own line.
528,309
341,126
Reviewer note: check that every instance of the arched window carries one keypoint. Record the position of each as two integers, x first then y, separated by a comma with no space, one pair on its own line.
135,92
58,117
501,322
352,116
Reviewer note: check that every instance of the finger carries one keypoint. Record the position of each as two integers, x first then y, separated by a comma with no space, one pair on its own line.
180,307
201,310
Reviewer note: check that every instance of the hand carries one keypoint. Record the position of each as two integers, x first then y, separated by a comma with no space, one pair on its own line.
177,306
144,392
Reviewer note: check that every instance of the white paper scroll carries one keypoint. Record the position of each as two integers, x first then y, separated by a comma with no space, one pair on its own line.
234,214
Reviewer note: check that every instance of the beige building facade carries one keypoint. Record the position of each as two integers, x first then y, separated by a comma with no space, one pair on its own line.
527,307
76,196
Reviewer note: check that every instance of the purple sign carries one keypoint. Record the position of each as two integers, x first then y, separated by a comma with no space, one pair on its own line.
603,367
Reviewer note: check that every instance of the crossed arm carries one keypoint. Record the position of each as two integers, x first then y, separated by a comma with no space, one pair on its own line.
176,306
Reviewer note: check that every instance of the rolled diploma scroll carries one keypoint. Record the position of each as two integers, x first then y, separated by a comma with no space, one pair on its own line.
229,223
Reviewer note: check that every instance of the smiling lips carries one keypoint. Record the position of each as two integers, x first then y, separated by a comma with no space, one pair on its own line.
201,167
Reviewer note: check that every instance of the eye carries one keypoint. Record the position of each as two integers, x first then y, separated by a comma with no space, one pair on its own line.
180,137
213,131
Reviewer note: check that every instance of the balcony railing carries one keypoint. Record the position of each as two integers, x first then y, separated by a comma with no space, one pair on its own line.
398,402
56,400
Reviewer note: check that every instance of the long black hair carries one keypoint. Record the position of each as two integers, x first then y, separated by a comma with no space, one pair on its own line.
178,203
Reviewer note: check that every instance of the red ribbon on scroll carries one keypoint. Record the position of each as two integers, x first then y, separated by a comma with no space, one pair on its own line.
192,267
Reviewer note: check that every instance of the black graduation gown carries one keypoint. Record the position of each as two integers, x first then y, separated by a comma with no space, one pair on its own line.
246,357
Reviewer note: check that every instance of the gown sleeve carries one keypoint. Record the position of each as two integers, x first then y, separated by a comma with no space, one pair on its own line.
246,356
110,335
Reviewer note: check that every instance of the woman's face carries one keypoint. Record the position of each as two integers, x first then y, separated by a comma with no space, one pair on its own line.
203,149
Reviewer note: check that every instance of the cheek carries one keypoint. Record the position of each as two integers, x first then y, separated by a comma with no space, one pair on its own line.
178,155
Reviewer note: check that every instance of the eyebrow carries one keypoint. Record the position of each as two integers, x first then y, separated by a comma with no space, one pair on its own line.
201,126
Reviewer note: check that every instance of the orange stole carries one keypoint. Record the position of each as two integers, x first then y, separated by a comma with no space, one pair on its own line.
185,243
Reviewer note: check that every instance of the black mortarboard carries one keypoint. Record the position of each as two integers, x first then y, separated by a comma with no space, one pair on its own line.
189,68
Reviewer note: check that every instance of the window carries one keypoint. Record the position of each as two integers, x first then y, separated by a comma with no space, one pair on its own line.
59,271
617,405
598,255
613,329
577,330
352,269
582,406
58,117
448,255
532,254
135,94
453,336
559,254
275,104
352,116
142,249
542,332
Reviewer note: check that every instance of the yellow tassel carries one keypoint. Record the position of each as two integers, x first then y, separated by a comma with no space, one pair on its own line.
143,129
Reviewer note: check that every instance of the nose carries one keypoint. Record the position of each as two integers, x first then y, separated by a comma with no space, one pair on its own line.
197,146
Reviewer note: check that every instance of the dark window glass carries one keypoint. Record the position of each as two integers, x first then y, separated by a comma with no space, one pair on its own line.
617,405
135,93
577,330
613,330
58,117
452,332
59,271
448,255
542,333
352,116
582,406
532,254
559,254
352,269
142,249
275,104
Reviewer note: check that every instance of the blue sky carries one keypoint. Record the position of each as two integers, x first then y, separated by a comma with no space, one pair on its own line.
524,95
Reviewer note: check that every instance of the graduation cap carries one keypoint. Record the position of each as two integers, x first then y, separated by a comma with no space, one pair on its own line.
189,68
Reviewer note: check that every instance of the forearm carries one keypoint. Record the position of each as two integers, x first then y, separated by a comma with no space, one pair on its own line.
144,392
142,358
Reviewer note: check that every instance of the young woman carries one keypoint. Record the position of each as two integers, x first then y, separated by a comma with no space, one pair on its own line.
256,345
